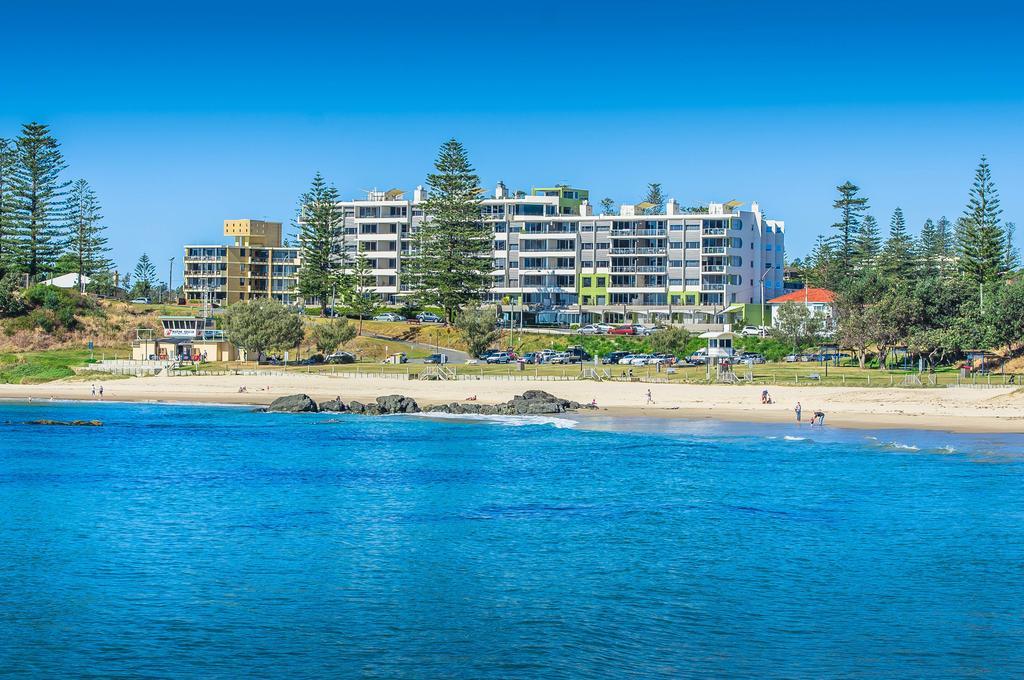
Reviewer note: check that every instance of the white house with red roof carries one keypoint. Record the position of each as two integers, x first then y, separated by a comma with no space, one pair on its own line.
819,301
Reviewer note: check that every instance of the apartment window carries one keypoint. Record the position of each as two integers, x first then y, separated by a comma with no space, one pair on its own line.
675,245
675,263
602,263
675,227
692,263
587,264
675,282
600,281
693,244
588,246
241,282
587,227
692,282
603,246
586,282
499,227
499,245
768,247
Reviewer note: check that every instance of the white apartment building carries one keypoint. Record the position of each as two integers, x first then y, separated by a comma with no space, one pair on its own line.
705,266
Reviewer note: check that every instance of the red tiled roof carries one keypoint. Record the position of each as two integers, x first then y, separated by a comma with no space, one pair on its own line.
805,295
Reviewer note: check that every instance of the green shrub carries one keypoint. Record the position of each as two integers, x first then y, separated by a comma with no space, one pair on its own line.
11,302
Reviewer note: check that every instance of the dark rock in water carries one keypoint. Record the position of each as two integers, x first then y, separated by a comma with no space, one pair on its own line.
397,403
356,406
295,403
439,408
372,410
69,423
334,406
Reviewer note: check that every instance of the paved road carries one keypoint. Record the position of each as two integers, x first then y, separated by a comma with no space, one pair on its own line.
455,356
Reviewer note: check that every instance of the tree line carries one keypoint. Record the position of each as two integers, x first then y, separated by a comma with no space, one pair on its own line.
953,288
48,224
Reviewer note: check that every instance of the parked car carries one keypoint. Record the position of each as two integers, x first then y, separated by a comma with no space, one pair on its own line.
436,359
529,357
623,330
698,358
754,331
663,359
389,316
578,353
613,357
341,358
140,301
591,329
499,358
428,317
560,358
752,358
641,330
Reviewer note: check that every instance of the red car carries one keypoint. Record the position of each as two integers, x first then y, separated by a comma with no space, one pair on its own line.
622,330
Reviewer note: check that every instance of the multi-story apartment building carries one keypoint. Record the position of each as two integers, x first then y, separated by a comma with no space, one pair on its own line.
551,252
256,265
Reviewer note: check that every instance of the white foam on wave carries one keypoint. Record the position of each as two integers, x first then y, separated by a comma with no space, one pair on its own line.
903,447
509,421
791,438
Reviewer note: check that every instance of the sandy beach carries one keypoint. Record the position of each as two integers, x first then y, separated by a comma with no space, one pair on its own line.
955,410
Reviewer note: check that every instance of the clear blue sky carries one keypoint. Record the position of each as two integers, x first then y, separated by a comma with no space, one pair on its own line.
184,114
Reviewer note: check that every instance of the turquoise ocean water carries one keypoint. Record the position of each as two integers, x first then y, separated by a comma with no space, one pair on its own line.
188,541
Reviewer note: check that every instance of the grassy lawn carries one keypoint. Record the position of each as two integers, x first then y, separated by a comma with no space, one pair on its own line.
40,367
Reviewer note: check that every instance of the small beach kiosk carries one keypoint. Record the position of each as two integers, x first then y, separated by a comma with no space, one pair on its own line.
183,338
721,354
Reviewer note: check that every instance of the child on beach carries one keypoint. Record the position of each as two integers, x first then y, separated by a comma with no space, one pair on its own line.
797,410
650,399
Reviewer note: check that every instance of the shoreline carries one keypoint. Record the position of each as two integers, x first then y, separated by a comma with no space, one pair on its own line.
997,410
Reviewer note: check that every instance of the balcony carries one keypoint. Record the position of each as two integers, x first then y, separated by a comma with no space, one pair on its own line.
638,232
713,231
637,251
713,250
712,268
657,269
712,286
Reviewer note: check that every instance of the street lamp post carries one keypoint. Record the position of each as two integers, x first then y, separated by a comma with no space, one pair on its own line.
170,277
766,273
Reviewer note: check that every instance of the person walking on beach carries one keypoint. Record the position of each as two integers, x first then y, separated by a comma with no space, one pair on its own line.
650,399
94,391
101,392
797,410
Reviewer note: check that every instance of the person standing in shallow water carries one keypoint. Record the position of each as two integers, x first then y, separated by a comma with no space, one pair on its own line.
798,409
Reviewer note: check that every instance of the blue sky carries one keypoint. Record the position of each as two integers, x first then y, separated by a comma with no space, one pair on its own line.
182,115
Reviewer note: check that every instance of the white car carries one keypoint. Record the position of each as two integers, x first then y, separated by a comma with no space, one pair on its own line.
592,329
754,331
389,316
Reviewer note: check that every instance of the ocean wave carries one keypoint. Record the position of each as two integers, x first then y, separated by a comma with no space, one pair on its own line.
509,421
791,438
902,447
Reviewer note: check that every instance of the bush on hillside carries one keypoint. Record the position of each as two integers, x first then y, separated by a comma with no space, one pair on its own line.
11,302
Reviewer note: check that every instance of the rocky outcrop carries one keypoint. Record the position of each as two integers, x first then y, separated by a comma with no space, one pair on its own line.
70,423
397,403
531,402
294,403
334,406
